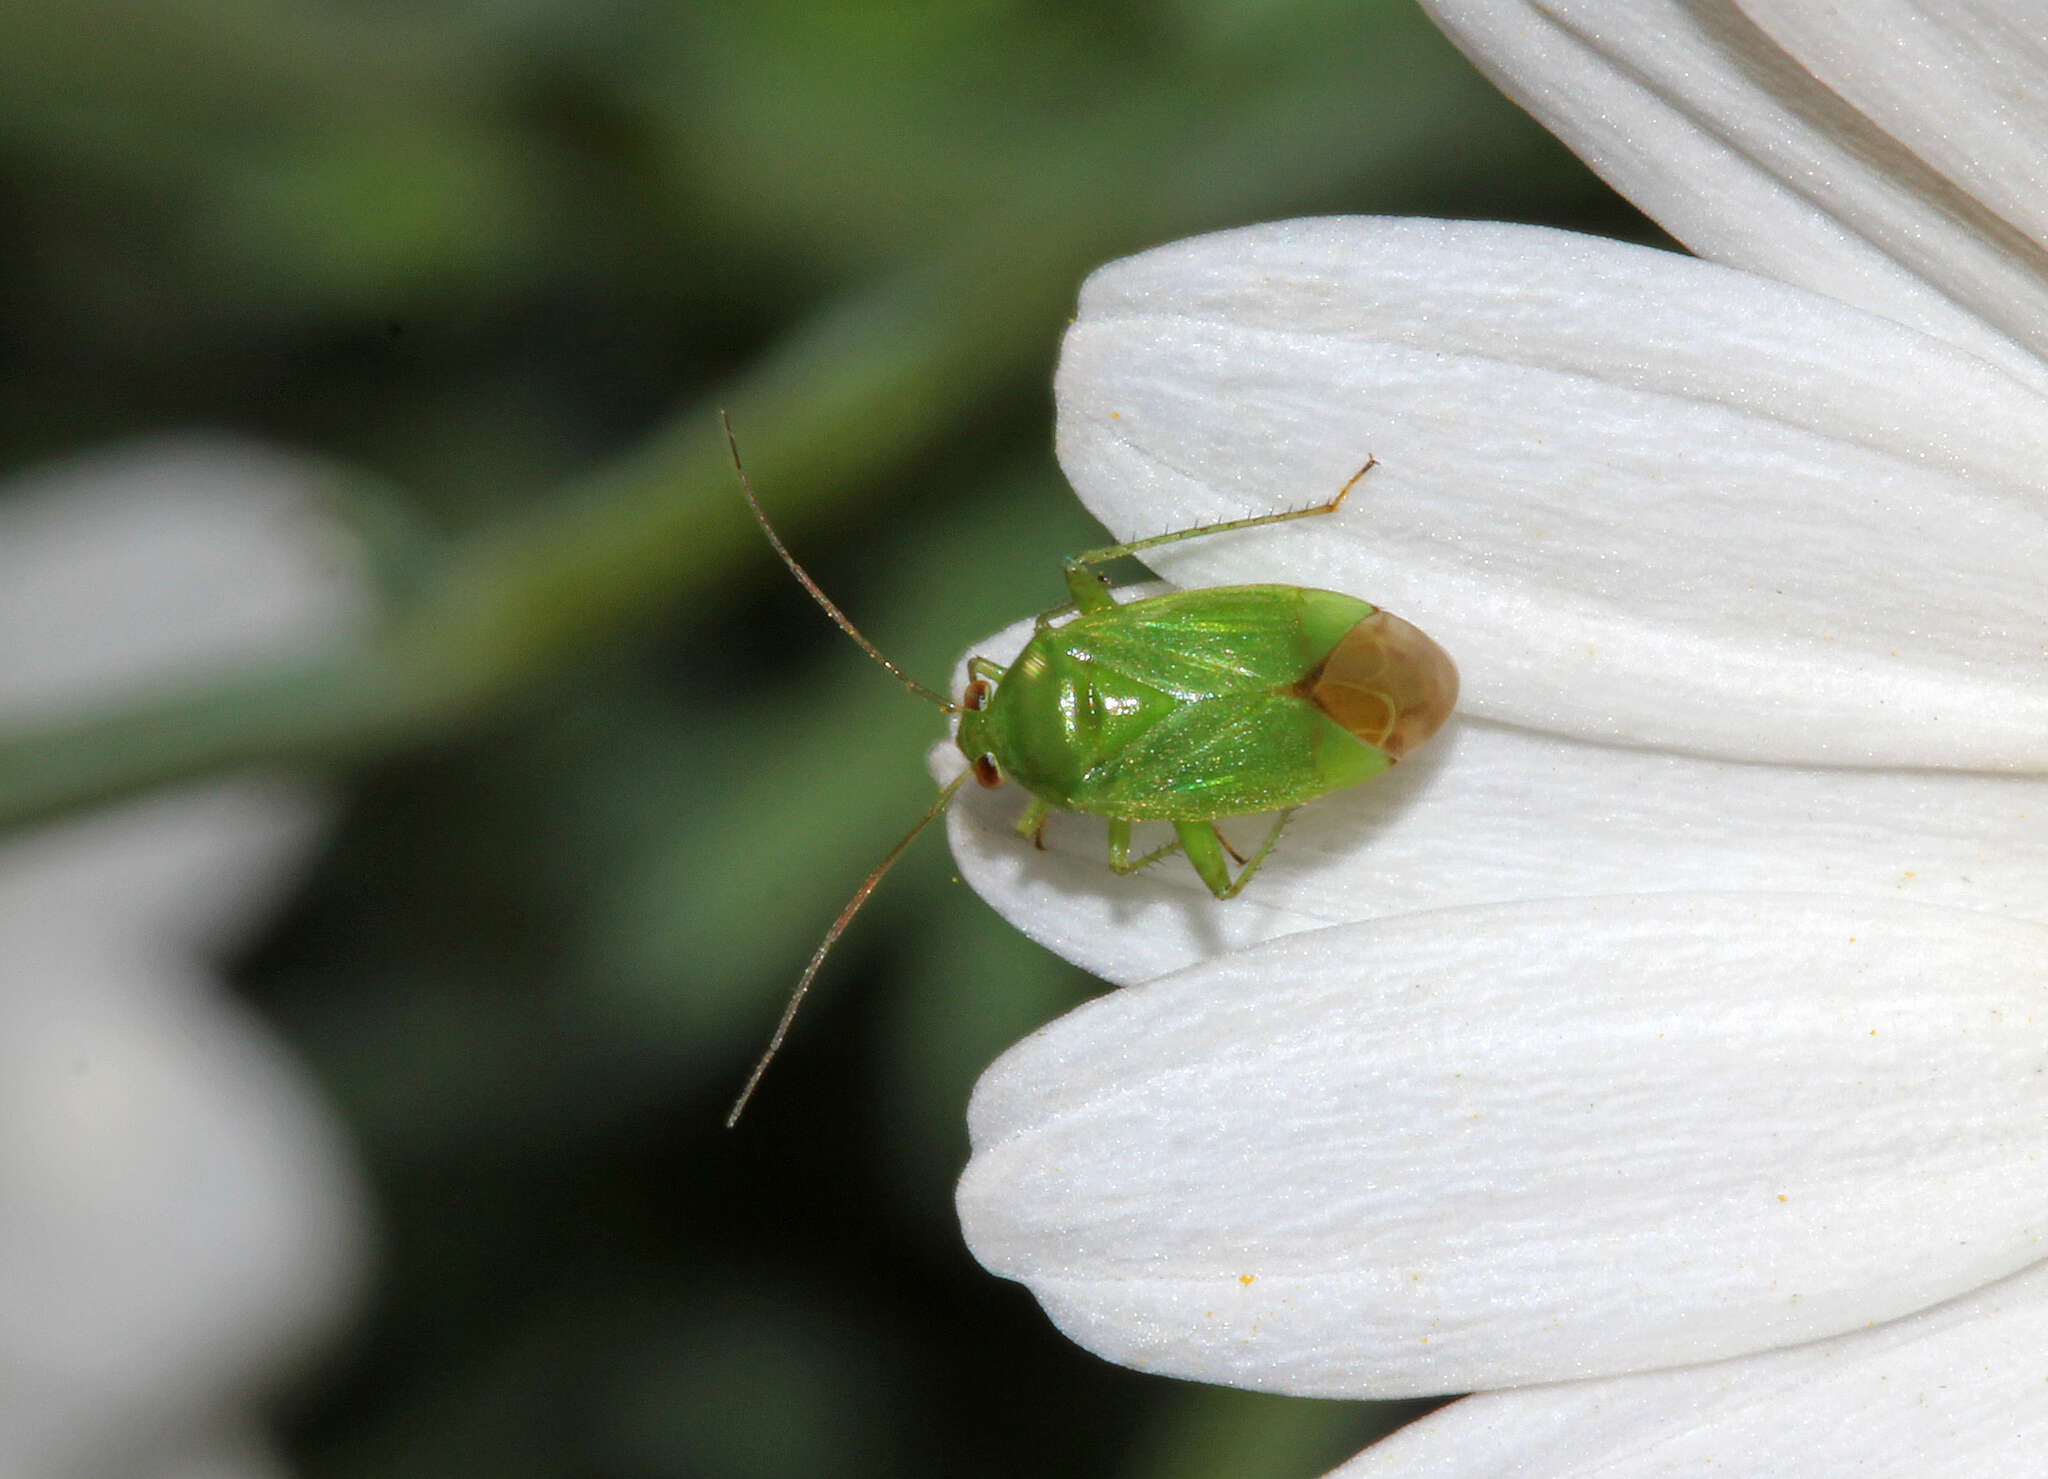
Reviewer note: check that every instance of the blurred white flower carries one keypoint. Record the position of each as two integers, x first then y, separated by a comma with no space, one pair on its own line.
179,1219
1689,998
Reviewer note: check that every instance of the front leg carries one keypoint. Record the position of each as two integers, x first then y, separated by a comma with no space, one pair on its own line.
1031,825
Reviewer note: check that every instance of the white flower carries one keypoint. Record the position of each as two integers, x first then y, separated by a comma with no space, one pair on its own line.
178,1219
1689,998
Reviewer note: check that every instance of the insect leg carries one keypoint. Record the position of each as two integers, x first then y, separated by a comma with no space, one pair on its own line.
1086,586
1120,849
1205,851
1031,825
1245,875
981,667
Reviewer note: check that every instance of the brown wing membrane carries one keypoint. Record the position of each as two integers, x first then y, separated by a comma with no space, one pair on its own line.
1387,683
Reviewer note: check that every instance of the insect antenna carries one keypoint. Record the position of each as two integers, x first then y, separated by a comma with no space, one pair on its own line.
803,577
803,985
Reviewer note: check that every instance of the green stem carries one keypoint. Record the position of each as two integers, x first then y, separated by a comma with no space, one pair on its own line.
856,393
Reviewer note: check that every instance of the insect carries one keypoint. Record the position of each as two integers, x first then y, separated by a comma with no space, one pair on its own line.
1186,707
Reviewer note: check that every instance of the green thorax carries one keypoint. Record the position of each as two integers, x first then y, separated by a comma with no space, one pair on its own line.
1190,704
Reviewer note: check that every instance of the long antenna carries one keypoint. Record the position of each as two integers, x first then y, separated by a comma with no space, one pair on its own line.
803,577
803,985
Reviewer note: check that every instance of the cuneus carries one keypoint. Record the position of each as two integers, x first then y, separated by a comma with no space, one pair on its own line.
1186,708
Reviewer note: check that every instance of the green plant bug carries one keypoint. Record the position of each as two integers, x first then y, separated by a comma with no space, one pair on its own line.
1187,707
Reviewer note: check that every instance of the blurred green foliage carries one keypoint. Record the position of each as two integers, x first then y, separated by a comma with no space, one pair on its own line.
498,261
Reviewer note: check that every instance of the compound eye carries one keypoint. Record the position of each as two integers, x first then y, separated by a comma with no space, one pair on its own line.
987,771
977,695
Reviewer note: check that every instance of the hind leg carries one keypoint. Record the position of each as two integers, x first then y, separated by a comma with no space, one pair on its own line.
1206,847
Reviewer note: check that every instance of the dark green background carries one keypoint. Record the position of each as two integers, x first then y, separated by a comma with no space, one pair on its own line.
502,262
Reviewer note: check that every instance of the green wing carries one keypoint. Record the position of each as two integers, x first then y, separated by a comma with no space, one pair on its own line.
1229,756
1203,644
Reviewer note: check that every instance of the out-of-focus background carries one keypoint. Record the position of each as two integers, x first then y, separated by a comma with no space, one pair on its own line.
607,773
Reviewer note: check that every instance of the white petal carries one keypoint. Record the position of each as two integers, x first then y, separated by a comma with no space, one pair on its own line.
1635,496
1704,122
239,1453
190,869
1960,83
1489,813
179,1215
1494,1146
1956,1391
126,573
130,572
